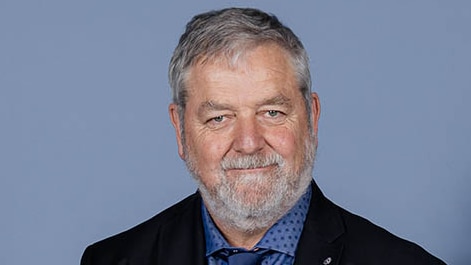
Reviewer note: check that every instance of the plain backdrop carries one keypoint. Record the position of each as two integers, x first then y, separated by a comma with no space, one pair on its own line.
87,149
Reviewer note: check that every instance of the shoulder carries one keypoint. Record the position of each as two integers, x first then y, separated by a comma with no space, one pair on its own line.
366,241
137,242
355,239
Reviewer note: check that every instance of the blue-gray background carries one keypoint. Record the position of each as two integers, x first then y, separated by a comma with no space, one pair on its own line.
86,148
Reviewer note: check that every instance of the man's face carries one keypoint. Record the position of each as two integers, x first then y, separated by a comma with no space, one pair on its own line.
246,136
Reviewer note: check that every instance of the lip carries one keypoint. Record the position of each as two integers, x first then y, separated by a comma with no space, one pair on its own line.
251,170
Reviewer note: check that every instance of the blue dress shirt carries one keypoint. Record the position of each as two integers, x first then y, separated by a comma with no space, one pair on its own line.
281,239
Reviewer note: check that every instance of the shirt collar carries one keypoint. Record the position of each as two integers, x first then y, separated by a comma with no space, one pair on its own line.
283,236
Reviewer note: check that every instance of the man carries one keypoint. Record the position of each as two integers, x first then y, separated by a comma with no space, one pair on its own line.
246,125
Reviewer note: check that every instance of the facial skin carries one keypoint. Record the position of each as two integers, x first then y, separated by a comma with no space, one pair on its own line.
247,140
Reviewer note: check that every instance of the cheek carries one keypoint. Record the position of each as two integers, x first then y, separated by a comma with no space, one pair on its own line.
284,142
289,143
207,152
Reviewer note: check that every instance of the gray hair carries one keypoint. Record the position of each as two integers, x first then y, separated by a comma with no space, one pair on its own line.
228,33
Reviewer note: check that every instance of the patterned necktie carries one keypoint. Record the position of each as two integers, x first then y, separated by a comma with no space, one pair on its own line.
245,257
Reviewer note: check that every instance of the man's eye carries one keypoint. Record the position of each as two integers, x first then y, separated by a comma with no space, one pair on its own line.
273,113
219,118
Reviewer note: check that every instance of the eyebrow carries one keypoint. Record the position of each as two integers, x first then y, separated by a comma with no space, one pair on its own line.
279,100
211,105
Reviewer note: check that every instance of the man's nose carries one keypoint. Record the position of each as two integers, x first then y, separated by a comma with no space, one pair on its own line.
248,138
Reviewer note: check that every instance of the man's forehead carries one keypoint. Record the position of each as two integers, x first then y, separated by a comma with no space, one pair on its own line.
262,73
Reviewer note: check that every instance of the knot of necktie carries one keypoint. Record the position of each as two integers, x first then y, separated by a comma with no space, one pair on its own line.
244,257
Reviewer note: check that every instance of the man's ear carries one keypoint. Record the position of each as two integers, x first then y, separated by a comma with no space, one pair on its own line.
315,112
175,119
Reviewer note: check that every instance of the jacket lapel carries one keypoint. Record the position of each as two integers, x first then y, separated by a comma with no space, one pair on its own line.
323,225
181,241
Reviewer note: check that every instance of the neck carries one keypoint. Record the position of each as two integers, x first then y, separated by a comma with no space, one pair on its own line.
240,239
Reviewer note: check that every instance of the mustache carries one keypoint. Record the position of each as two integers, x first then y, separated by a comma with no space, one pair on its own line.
251,161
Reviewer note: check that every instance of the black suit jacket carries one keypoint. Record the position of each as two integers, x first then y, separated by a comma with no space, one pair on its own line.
331,235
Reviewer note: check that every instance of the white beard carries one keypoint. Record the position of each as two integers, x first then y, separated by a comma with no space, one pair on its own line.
253,202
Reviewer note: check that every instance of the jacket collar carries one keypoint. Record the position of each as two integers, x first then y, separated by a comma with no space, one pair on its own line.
181,239
322,227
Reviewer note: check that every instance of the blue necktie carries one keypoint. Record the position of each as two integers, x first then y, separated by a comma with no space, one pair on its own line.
245,257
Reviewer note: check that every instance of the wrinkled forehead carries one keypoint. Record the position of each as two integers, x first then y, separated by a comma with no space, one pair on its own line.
261,69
